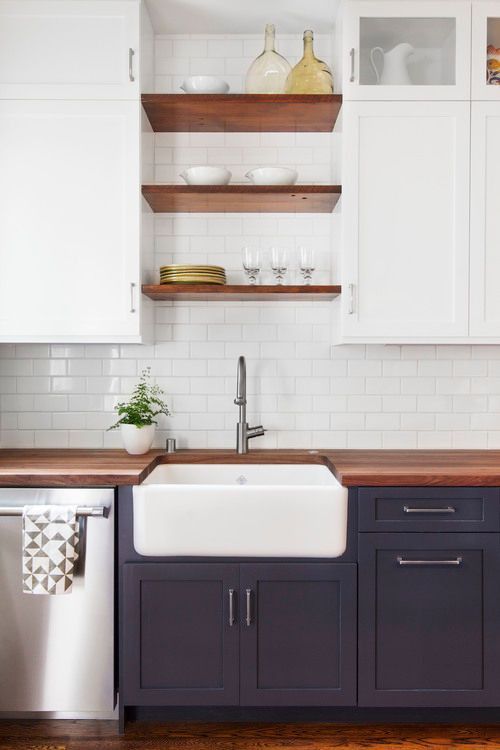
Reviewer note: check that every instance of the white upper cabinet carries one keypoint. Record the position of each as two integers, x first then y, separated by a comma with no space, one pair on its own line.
406,221
78,49
407,50
486,51
485,220
69,221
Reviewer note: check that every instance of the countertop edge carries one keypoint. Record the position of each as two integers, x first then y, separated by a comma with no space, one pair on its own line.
352,468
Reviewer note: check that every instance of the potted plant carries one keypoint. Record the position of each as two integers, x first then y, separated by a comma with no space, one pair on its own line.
137,416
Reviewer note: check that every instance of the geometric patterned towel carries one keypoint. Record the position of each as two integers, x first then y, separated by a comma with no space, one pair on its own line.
50,548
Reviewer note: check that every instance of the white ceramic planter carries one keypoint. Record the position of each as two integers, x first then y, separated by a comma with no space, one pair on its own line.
137,440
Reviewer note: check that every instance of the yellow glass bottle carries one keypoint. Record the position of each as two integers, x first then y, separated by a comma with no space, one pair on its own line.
310,75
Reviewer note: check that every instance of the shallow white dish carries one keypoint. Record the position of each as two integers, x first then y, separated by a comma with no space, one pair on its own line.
249,510
205,85
272,176
206,175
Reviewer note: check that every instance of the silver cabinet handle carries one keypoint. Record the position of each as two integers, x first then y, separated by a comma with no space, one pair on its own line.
231,608
448,509
350,309
352,55
403,561
249,607
99,511
132,288
131,54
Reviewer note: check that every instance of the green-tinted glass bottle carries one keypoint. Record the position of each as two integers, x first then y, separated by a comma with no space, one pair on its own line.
310,75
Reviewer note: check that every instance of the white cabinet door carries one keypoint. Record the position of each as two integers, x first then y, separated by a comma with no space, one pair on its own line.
407,50
406,220
485,57
50,49
69,221
485,220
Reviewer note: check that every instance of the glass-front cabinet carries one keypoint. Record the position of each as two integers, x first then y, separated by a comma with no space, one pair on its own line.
407,51
486,51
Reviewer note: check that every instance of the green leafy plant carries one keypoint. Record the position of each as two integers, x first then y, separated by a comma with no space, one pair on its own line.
145,403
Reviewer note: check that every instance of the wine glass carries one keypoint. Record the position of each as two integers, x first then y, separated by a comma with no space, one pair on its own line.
306,263
251,264
279,263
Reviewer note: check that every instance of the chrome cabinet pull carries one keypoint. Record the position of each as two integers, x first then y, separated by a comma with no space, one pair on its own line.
350,309
249,607
410,563
132,288
352,55
131,54
448,509
231,608
99,511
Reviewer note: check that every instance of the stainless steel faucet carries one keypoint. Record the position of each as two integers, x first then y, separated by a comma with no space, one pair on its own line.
243,432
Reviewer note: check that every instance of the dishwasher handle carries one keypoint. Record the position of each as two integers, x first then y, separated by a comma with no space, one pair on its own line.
98,511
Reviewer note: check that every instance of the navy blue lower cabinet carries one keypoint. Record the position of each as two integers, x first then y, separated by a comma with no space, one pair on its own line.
180,637
298,634
429,619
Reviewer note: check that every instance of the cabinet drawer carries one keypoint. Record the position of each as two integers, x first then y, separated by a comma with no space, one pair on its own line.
429,509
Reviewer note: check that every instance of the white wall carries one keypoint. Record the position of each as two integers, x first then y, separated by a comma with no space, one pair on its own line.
305,392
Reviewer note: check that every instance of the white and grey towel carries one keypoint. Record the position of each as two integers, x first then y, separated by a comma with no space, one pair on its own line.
50,548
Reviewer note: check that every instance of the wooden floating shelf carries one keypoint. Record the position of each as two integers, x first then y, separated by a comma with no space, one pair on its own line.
241,292
242,113
242,198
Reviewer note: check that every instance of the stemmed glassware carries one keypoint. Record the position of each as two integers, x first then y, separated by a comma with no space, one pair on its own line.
306,264
279,263
251,264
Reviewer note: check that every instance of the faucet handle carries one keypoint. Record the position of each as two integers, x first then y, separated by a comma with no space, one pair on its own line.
255,431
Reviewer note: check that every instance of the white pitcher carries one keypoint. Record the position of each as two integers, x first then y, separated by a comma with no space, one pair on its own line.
394,70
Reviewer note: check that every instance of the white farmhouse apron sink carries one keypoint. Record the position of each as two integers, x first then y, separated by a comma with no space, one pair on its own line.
240,510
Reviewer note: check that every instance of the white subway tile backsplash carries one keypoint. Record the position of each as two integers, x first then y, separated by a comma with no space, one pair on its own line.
35,420
51,366
399,440
15,403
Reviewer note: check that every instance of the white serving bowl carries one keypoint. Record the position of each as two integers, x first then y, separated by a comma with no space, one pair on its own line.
206,175
272,176
205,85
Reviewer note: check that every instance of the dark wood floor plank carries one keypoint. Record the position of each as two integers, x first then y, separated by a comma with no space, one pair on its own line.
93,735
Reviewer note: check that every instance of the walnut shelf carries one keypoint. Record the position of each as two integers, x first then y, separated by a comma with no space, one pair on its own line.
231,292
242,198
242,113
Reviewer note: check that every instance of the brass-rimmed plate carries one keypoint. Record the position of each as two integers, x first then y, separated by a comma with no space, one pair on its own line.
207,275
193,280
217,269
196,276
193,270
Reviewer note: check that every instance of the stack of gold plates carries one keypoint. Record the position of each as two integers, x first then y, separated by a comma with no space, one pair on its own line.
192,275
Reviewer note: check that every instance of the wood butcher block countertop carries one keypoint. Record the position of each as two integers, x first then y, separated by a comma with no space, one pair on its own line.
353,468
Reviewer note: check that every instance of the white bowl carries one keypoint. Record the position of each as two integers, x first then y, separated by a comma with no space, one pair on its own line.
206,175
205,85
273,176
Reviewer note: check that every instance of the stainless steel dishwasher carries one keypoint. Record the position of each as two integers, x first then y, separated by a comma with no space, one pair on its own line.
56,652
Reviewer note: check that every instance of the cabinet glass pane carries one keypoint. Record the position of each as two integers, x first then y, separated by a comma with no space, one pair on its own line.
492,66
407,51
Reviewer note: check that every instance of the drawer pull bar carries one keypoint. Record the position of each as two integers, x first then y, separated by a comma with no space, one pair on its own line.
448,509
249,607
231,608
131,54
455,562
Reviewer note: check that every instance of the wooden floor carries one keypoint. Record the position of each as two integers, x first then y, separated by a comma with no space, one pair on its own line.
103,735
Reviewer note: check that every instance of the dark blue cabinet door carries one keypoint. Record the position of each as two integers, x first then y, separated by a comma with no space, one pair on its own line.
179,646
429,620
298,634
